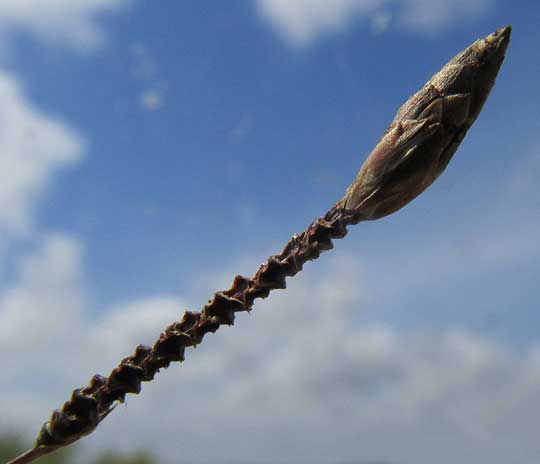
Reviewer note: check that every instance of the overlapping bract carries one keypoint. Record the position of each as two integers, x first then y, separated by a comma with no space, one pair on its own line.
427,130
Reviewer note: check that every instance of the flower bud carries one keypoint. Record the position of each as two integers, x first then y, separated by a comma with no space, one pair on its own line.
426,131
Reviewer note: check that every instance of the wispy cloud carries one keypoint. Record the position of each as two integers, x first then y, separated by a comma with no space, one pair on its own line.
71,23
152,100
380,22
147,71
301,22
47,312
34,146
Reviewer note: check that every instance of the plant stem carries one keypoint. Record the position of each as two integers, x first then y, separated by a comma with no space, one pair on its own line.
31,455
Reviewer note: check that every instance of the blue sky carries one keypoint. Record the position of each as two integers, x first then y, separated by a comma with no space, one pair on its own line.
150,153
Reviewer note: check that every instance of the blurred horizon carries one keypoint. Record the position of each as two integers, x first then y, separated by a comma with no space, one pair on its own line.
148,154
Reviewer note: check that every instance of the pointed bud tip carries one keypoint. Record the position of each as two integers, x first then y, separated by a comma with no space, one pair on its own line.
498,41
503,32
500,36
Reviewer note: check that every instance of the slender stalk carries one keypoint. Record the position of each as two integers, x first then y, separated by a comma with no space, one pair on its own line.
31,455
412,153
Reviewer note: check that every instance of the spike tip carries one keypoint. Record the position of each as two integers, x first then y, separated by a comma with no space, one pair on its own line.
426,131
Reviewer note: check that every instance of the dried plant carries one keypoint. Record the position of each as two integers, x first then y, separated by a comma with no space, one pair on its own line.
412,153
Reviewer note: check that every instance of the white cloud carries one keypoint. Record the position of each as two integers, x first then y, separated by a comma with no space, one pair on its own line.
72,23
34,146
39,325
152,100
380,22
296,381
32,306
53,342
303,21
435,14
146,70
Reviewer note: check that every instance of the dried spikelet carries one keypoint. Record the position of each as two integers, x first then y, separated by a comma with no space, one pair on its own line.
412,153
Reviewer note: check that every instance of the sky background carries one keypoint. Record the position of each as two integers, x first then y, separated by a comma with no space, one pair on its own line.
150,151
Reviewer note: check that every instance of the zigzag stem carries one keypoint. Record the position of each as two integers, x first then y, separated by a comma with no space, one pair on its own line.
90,405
